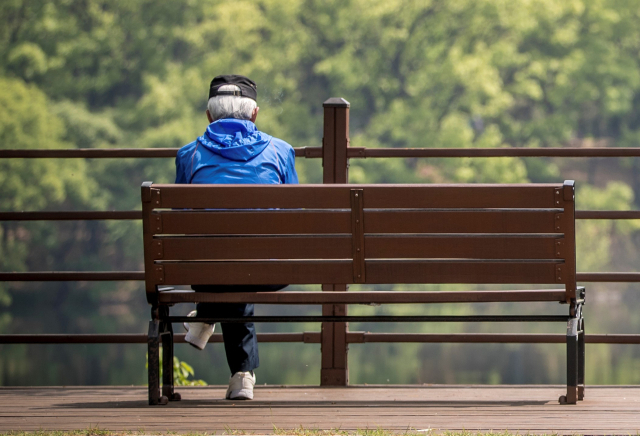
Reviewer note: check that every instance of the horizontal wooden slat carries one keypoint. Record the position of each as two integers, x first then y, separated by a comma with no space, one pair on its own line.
456,246
338,196
257,273
452,271
254,222
255,247
461,196
484,221
136,215
64,276
285,297
338,271
252,196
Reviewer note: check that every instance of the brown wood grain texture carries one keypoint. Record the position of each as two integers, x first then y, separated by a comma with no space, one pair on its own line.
80,276
569,227
439,408
257,272
341,132
256,247
252,197
334,344
461,246
436,221
609,277
327,346
456,196
255,222
337,196
329,146
459,271
357,235
377,271
362,297
607,214
150,281
334,368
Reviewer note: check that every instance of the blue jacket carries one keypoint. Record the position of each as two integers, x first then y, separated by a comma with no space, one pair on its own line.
234,151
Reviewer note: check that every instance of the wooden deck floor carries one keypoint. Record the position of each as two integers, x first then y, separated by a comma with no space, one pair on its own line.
607,410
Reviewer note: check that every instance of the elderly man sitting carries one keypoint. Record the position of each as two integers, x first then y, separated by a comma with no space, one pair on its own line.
232,150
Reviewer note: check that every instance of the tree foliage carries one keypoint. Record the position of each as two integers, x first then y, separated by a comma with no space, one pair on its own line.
418,73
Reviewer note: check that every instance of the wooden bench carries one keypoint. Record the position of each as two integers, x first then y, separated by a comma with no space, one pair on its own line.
366,234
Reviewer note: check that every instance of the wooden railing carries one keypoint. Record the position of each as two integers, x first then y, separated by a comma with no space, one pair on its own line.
335,154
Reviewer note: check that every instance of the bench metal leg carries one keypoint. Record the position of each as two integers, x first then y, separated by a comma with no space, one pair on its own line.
575,352
581,361
572,361
153,347
167,363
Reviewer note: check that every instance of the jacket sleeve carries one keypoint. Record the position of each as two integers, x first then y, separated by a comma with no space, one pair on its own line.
290,174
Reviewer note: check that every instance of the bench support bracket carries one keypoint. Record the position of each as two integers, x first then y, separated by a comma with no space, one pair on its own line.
153,363
575,352
160,330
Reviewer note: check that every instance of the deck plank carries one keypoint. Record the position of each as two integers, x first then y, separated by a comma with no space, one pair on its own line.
535,409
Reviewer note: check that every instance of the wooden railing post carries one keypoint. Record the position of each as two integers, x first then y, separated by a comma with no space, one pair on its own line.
335,141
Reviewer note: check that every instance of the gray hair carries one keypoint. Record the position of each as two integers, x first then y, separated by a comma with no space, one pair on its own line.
230,106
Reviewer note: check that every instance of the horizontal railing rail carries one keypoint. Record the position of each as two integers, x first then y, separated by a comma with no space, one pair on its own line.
72,276
109,153
352,152
141,338
68,215
362,152
352,338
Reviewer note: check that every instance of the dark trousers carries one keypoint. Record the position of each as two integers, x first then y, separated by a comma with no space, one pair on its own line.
240,341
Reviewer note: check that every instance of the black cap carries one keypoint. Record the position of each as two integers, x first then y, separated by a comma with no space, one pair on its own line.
247,86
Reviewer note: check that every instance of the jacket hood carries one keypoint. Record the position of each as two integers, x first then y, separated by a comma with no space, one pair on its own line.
234,139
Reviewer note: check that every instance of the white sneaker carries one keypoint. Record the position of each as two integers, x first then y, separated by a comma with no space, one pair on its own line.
198,333
241,386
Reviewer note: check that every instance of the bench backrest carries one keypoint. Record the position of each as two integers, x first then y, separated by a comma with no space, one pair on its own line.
343,234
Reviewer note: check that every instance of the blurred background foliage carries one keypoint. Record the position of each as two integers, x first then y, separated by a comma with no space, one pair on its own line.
418,73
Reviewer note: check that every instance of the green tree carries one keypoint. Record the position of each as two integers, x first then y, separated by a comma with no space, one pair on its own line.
436,73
